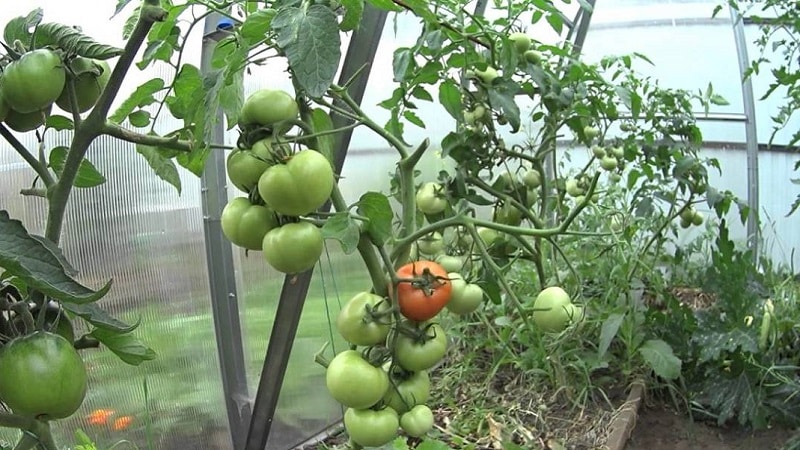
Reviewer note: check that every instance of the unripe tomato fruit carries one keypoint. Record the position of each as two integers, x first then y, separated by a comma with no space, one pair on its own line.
42,376
416,353
507,214
417,422
608,162
3,105
551,315
267,107
300,185
354,382
572,188
246,224
521,41
404,394
34,81
371,428
488,75
88,84
294,247
467,300
430,199
357,323
432,244
24,122
532,178
245,166
533,56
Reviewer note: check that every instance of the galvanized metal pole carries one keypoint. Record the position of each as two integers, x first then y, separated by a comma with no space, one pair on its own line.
751,135
219,257
361,51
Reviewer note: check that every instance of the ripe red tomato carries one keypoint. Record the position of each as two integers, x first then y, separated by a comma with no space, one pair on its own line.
423,291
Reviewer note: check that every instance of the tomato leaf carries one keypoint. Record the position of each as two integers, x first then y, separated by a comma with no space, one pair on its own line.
88,176
310,38
121,4
19,28
375,207
658,355
139,118
256,26
450,98
321,122
608,331
163,166
97,316
142,96
126,346
343,228
60,123
39,265
430,444
187,84
73,41
502,95
353,10
386,5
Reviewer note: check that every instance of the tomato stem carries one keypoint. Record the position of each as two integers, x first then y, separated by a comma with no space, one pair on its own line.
320,359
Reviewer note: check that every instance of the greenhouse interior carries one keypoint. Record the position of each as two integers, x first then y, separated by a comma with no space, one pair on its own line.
399,224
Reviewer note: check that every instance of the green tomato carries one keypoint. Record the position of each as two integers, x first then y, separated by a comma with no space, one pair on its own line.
417,422
687,214
608,163
489,236
574,312
294,247
531,197
24,122
532,178
43,376
533,57
432,244
618,152
245,166
697,218
598,151
365,319
354,382
405,393
488,75
266,107
246,224
521,42
466,301
550,313
90,78
33,82
507,214
421,353
457,284
573,190
451,263
4,108
371,428
430,198
615,177
591,132
299,186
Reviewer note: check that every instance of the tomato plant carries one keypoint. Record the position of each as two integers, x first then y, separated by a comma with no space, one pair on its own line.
365,319
55,366
423,290
354,382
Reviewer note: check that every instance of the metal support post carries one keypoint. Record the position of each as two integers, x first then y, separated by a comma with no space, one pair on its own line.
221,275
750,133
361,51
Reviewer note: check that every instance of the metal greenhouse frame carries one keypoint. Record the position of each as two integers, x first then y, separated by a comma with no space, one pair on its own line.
250,424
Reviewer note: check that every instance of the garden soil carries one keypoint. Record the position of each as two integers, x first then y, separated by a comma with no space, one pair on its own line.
658,428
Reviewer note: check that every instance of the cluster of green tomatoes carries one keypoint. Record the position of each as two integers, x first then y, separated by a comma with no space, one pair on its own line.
31,84
282,186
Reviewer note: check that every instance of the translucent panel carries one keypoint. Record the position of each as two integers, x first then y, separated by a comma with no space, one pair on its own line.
687,49
137,230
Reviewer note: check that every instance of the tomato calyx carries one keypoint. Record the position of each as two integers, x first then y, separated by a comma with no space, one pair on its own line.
426,281
419,333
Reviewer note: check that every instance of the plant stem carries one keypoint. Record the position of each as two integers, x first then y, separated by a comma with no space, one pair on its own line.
41,170
94,124
172,143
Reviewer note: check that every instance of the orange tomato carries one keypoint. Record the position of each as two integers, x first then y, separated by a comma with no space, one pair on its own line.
99,416
122,423
423,290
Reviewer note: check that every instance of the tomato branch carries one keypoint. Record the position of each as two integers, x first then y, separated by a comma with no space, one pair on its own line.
35,164
38,432
443,24
94,124
172,143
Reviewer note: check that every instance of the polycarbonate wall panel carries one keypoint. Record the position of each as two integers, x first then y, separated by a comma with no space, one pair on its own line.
139,231
689,51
